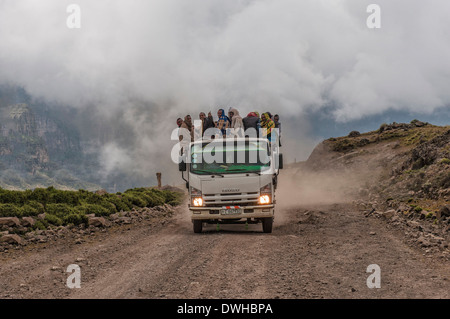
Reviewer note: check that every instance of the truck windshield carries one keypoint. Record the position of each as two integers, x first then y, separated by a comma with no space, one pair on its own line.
225,157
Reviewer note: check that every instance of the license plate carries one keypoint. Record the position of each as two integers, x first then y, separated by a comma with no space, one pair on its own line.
231,211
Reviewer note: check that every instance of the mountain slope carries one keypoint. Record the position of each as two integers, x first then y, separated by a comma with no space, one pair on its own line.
405,162
400,173
37,148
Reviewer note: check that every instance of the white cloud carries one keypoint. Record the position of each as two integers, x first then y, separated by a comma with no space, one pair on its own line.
289,54
181,56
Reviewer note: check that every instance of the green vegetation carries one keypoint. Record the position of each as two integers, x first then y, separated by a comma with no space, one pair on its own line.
408,135
418,209
343,145
62,207
423,134
382,127
430,215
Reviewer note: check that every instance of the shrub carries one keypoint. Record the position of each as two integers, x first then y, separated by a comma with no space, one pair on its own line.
382,128
42,225
110,207
10,210
98,210
363,142
148,197
53,219
418,209
93,198
40,195
60,204
343,145
354,134
28,210
12,197
135,199
429,215
76,219
59,210
153,198
36,206
118,203
64,197
173,198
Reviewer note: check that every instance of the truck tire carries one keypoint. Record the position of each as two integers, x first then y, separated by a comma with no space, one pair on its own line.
267,224
198,226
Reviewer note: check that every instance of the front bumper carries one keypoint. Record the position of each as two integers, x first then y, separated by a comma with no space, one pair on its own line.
208,213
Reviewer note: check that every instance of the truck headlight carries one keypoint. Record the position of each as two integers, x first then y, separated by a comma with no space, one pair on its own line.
196,197
197,201
264,199
265,194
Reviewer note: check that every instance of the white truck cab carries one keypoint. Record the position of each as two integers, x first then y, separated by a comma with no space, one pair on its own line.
232,180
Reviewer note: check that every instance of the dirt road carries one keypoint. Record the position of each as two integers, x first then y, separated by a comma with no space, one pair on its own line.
313,252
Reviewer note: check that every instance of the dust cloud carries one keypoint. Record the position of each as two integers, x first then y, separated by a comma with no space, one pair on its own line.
301,187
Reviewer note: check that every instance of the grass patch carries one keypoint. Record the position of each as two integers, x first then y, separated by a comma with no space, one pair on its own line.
406,136
343,145
418,209
62,207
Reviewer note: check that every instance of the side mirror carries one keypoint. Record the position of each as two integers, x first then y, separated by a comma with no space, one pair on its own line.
182,166
280,161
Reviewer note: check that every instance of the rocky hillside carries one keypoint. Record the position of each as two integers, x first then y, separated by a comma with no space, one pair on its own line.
37,149
408,162
400,172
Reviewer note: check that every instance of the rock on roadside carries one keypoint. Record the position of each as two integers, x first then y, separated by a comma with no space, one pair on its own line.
11,239
28,221
388,214
443,212
9,221
97,221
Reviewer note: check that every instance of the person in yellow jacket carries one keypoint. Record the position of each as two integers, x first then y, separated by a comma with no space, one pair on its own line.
267,124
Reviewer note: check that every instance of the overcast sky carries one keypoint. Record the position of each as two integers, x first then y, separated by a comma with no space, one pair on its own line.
173,57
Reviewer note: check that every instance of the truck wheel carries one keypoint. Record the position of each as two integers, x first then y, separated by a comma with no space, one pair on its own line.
198,226
267,224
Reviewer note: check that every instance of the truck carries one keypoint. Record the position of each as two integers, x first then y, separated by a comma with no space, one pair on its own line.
231,181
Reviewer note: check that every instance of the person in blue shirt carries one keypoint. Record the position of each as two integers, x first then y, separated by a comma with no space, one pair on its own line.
222,122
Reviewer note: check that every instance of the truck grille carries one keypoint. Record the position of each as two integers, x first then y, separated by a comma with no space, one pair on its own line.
241,199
